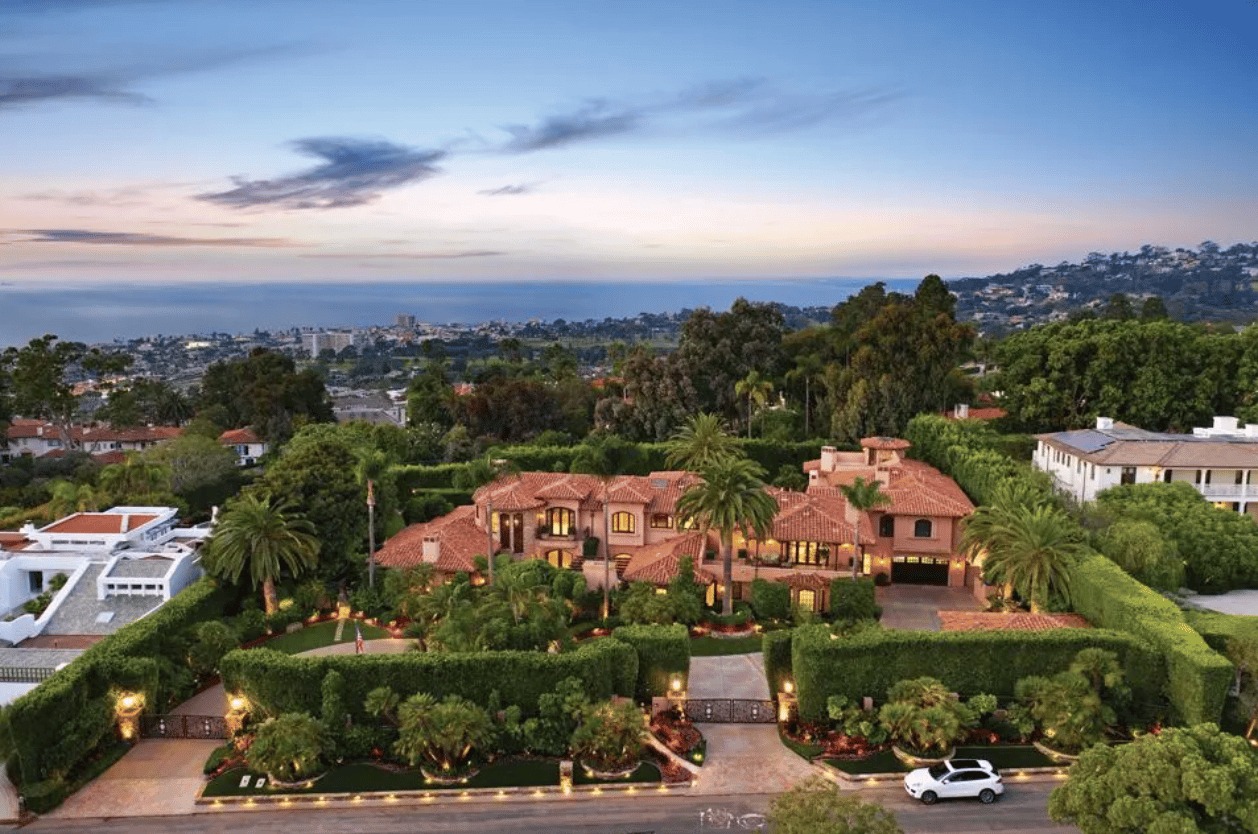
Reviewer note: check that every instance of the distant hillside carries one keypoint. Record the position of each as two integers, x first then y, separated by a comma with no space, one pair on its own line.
1209,284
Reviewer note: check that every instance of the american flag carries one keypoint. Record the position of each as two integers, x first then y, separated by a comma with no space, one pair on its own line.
359,645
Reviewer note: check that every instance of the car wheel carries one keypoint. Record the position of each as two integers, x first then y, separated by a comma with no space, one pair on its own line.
929,797
987,796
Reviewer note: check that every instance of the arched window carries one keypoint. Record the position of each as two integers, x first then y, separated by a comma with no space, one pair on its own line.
922,528
886,526
624,522
559,520
559,558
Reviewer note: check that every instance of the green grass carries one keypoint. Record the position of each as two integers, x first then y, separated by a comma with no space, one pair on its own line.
318,636
364,778
718,647
1002,757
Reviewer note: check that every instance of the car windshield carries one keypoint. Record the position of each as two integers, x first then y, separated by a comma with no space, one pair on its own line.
938,771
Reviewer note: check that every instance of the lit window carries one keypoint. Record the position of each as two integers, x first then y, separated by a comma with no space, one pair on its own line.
661,521
624,523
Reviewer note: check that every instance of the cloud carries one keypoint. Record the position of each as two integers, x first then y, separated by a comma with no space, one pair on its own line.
23,86
116,198
508,190
743,105
133,238
354,172
416,256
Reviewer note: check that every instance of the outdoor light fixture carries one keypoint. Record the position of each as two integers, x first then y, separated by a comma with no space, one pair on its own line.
788,687
237,703
128,702
676,684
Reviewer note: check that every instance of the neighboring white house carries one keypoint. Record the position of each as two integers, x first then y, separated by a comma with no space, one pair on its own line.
1220,461
38,438
246,444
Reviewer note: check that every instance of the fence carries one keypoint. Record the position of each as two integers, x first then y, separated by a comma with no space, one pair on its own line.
731,711
183,726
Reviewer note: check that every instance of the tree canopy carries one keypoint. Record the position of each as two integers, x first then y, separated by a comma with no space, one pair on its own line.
267,392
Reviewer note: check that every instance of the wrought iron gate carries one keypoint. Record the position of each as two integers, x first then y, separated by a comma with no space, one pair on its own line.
183,726
731,711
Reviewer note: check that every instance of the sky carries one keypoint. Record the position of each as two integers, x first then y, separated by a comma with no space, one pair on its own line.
306,141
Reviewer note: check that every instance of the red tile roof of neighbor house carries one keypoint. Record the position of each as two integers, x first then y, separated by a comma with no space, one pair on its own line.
22,428
885,443
978,414
99,523
460,539
983,620
245,435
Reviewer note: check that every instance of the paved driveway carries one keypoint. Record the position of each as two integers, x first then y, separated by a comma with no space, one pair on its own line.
915,607
733,676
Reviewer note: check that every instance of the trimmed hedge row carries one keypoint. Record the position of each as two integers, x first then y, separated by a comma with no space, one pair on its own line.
276,683
57,725
770,600
663,652
968,662
1217,628
777,659
1198,677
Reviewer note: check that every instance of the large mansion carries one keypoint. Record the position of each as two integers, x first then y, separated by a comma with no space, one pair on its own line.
816,536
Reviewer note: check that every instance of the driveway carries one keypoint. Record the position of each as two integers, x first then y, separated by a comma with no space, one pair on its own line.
916,607
157,777
733,676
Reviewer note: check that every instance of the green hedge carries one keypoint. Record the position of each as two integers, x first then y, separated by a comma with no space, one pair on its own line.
663,653
770,600
968,662
1217,628
777,659
276,683
853,600
57,725
439,476
1199,677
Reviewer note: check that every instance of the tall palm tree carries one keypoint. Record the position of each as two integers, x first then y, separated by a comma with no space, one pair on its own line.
730,497
701,442
1034,550
372,464
756,389
863,495
477,473
606,459
258,538
808,366
988,526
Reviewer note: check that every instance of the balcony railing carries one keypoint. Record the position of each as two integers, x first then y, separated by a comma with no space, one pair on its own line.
1223,490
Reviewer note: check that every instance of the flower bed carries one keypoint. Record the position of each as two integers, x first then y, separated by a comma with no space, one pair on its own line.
680,735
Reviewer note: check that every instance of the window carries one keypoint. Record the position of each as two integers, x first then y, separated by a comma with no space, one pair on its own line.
1240,477
560,521
886,526
37,581
807,599
1166,477
1128,476
804,553
624,523
661,521
923,528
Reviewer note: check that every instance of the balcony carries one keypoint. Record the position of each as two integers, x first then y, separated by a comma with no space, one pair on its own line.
1219,492
546,533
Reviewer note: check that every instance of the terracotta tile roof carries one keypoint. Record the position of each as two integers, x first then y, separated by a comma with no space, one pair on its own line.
815,517
245,435
885,443
917,488
98,523
982,620
568,487
978,414
112,456
808,581
459,539
22,428
14,541
658,563
630,489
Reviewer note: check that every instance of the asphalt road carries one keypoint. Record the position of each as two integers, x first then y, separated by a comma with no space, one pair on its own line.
1021,810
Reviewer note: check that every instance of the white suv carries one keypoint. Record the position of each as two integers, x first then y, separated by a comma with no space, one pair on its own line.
955,778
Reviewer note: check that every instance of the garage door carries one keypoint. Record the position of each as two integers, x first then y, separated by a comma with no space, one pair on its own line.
919,570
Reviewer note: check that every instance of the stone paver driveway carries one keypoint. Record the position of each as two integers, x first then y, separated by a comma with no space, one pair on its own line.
733,676
915,607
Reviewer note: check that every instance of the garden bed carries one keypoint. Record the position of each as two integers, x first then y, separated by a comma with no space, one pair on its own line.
1002,757
680,736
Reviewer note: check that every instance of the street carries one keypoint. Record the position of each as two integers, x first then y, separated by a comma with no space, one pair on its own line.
1020,810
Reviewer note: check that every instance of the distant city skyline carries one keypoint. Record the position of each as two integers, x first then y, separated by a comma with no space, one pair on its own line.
492,140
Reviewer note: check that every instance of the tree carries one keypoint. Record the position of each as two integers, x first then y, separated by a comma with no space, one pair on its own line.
1243,651
135,477
1141,549
69,497
701,442
808,367
259,539
730,498
371,466
863,496
756,389
610,736
287,747
816,806
1153,309
1183,780
193,462
266,391
443,733
1119,307
605,458
1033,551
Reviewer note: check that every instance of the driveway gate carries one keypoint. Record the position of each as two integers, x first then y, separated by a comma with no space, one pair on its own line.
731,711
183,726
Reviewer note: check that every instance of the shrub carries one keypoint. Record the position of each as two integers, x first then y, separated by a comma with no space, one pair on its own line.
776,648
882,579
288,747
770,600
852,601
610,736
663,653
443,733
213,640
589,547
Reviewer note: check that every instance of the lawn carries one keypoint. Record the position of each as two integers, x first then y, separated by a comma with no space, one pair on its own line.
716,646
1002,757
364,778
318,636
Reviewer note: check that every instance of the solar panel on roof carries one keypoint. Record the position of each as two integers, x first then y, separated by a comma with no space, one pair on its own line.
1085,440
659,483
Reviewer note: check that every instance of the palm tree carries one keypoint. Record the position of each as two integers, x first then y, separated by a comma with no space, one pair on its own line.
863,496
134,476
808,366
730,497
69,497
606,459
372,464
260,538
987,527
1034,550
700,443
756,388
479,472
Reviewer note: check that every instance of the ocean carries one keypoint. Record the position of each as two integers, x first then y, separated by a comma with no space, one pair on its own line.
104,313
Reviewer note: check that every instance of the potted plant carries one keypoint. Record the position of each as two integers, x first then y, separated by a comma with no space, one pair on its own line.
440,736
924,720
609,739
1070,708
288,749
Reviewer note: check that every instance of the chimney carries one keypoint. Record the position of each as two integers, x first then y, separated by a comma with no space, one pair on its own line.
829,458
39,431
1225,425
432,549
1104,423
